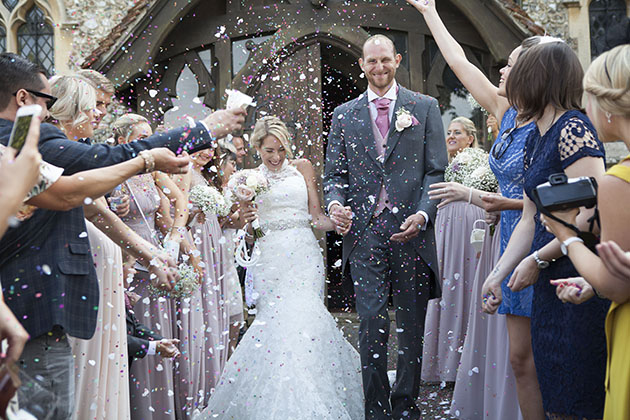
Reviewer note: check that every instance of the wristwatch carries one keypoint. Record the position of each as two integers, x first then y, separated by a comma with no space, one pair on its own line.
564,246
542,264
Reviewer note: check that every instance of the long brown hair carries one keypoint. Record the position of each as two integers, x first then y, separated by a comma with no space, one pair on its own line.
212,170
545,74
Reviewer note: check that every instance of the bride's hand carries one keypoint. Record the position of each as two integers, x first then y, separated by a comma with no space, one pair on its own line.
249,212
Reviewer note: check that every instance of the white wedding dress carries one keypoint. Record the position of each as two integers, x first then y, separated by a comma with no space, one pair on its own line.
292,363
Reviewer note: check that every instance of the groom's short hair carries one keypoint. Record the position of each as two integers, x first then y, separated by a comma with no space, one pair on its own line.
379,38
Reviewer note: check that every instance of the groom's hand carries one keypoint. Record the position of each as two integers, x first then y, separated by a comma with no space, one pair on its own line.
341,217
409,229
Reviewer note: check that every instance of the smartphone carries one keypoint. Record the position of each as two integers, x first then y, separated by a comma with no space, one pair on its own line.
21,125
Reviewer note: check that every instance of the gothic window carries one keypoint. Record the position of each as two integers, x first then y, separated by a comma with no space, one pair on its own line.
186,102
10,4
3,39
35,40
609,25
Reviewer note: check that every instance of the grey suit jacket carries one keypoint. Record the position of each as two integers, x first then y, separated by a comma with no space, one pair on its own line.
414,159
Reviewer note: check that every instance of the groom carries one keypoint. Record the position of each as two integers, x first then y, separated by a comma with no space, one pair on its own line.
384,150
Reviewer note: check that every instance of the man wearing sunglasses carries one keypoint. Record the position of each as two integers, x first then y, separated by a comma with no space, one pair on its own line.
43,99
46,267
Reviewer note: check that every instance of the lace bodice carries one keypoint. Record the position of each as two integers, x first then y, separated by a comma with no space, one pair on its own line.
285,204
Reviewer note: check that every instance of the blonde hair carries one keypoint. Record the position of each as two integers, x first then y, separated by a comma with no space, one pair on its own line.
271,126
123,126
97,80
607,80
469,128
75,97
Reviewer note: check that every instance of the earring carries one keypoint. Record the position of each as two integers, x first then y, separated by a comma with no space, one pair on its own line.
608,115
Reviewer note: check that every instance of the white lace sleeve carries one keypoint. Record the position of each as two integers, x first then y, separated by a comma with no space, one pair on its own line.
48,175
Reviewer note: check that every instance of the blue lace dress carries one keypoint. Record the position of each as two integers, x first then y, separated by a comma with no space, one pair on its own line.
568,340
506,161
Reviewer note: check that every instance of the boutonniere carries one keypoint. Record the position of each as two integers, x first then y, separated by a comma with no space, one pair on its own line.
404,119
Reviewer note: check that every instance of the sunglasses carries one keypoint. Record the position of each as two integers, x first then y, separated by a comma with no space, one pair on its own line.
50,100
499,148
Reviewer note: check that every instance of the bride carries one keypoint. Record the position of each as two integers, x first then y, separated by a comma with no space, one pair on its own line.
292,363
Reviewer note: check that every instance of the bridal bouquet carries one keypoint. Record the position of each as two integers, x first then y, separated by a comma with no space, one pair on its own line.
471,168
210,200
247,185
188,283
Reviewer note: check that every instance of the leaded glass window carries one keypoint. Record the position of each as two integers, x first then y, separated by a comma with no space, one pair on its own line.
609,25
36,40
3,39
10,4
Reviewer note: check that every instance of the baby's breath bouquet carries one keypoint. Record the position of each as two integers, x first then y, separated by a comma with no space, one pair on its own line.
210,200
471,168
188,283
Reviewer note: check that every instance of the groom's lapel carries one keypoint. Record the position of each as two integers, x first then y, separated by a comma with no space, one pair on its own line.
365,131
404,100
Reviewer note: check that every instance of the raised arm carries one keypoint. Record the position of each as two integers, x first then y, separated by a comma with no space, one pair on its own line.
471,77
75,157
175,196
147,254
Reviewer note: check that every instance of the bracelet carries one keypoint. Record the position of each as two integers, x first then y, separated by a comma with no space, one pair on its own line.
149,161
470,195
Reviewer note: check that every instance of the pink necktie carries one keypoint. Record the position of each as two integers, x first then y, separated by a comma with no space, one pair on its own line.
382,118
128,304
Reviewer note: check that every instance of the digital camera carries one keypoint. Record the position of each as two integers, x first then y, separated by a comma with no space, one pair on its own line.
562,193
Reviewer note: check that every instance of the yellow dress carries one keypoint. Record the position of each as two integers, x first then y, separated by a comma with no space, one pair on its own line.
618,340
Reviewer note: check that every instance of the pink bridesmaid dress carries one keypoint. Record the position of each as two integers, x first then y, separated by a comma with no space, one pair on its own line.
101,363
152,386
485,385
447,317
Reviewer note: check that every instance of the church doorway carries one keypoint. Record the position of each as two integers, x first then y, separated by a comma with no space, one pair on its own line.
341,81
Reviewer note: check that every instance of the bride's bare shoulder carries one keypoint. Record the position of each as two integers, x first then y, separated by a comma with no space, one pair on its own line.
302,165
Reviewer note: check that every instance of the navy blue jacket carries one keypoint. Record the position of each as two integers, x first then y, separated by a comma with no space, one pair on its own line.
46,267
138,337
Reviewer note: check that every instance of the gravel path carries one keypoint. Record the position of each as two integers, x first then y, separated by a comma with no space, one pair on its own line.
434,399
